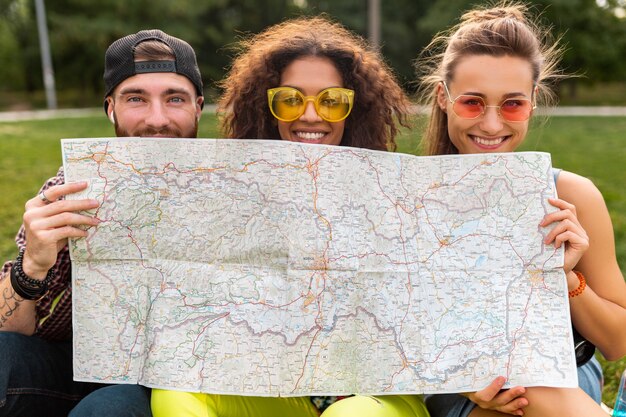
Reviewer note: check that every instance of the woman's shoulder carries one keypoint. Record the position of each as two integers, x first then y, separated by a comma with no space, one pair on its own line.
577,189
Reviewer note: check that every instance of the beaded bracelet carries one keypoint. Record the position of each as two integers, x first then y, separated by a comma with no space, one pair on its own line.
25,292
26,287
581,286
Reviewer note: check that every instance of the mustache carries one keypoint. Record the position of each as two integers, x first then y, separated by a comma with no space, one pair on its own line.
174,133
171,130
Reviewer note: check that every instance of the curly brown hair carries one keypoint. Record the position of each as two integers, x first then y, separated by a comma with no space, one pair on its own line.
380,103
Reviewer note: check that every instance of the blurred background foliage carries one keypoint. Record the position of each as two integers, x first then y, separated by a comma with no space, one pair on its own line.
594,32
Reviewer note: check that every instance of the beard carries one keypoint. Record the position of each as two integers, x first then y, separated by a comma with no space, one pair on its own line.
171,132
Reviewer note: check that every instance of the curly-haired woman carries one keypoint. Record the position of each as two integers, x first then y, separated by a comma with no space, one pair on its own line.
379,104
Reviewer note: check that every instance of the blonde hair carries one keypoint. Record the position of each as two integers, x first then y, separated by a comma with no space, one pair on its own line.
505,29
380,103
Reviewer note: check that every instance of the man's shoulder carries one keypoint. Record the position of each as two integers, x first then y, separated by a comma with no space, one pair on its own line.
58,179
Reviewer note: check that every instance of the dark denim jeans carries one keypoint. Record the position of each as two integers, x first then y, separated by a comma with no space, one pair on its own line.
36,381
115,401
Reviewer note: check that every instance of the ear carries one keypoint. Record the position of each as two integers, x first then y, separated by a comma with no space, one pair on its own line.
442,98
110,113
199,102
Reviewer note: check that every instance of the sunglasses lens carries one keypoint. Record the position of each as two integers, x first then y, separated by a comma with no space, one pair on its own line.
516,110
334,105
287,104
513,110
469,107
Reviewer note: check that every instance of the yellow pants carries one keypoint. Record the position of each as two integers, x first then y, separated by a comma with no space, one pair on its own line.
186,404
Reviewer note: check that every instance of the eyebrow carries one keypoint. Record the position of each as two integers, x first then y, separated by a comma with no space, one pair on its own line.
168,92
300,90
506,96
171,91
132,91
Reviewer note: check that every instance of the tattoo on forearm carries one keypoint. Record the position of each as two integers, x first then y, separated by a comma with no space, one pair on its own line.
9,303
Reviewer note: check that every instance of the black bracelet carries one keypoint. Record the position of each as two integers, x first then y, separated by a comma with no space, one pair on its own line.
26,287
26,294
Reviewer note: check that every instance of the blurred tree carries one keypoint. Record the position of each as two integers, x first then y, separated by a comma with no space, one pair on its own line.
593,35
81,30
19,46
12,76
402,36
223,22
351,13
208,25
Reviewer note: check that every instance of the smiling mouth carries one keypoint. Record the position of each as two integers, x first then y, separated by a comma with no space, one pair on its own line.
312,137
489,142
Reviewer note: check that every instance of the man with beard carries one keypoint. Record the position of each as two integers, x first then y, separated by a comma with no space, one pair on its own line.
153,88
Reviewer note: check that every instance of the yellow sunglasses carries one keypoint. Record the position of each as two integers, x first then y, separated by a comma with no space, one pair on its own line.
332,104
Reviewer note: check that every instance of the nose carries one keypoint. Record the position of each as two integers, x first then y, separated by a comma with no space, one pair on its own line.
310,114
157,116
491,120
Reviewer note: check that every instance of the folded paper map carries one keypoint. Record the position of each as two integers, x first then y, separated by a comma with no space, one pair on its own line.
273,268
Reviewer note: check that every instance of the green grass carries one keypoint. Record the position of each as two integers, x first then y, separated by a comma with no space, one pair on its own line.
594,147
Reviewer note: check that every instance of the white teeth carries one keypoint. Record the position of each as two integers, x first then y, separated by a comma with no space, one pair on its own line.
488,142
310,135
